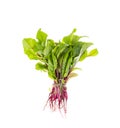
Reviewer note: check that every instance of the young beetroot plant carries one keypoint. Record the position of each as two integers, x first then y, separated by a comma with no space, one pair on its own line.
58,59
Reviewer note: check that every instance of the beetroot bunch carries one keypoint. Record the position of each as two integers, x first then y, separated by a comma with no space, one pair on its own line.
58,59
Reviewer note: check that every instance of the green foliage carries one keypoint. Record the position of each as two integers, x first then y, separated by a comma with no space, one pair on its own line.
64,62
83,56
41,67
93,52
41,36
85,46
30,48
57,58
50,46
71,38
51,68
54,61
62,47
68,65
77,48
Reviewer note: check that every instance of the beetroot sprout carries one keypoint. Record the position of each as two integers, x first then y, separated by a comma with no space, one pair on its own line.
59,60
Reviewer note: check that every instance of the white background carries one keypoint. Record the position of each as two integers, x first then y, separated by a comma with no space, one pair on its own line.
94,96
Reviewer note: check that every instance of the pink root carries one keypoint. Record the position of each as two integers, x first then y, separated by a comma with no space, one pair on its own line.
58,98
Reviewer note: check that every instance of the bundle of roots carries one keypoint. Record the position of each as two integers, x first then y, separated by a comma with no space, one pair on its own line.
58,98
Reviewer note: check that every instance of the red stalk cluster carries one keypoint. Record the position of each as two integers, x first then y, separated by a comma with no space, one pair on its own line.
58,98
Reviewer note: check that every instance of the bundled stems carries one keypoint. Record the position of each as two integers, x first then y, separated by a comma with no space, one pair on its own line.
58,96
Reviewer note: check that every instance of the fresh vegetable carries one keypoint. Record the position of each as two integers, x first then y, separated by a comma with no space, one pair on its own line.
58,59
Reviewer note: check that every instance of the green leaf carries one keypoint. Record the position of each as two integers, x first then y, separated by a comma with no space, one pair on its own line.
30,48
60,61
50,63
41,36
85,46
64,63
75,38
55,49
54,61
51,71
40,52
93,52
40,66
48,49
83,56
61,49
71,38
68,65
76,49
74,30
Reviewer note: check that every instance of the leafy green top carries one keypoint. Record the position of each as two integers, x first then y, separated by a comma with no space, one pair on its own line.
57,58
